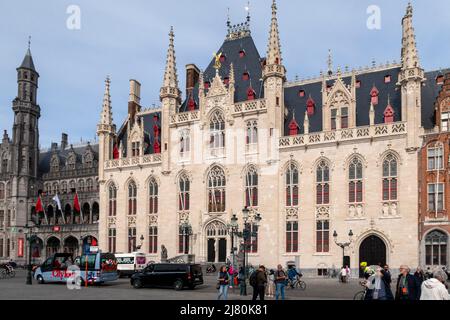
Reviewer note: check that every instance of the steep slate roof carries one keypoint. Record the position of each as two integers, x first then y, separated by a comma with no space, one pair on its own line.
368,79
251,63
27,62
149,132
46,156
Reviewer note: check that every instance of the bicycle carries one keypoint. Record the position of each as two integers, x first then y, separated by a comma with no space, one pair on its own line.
297,283
7,271
361,295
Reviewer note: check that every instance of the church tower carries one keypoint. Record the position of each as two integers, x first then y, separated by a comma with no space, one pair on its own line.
410,78
274,76
170,96
25,146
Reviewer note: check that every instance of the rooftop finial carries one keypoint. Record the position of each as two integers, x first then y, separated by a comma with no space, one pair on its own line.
228,18
330,63
274,47
29,42
247,8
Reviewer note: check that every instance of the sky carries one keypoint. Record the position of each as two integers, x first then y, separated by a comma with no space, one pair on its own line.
129,39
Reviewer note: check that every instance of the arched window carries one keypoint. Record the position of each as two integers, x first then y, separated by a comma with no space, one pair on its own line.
323,183
71,162
81,186
55,188
132,198
436,244
64,187
184,193
390,178
217,131
4,163
153,239
292,185
112,200
153,196
355,176
2,191
251,188
90,185
216,190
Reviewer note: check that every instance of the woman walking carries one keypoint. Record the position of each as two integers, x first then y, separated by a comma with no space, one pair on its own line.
223,282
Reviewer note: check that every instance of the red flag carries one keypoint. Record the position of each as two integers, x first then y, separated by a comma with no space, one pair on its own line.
39,207
115,152
76,203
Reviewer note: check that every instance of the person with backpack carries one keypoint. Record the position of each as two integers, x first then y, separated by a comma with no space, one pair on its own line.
258,280
223,282
280,282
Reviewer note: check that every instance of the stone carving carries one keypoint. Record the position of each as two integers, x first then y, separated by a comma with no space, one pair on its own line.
163,254
292,213
356,211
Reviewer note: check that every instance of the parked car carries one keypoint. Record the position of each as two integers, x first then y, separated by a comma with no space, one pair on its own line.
177,276
129,263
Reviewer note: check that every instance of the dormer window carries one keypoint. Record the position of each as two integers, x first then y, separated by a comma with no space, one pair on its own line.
358,84
387,78
246,76
301,93
135,147
226,81
388,114
251,94
241,53
440,80
207,84
374,96
191,104
223,58
310,106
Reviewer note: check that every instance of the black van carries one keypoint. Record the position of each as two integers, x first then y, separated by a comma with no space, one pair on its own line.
175,275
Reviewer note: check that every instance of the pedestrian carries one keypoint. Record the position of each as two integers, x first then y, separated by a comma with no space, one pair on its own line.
270,288
343,275
231,274
223,282
387,272
378,287
419,275
434,288
280,282
259,283
349,273
406,285
241,281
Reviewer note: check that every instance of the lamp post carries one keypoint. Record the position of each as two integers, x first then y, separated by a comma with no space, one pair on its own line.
246,235
343,245
187,232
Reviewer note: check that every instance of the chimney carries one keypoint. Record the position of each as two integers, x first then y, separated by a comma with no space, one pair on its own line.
134,99
64,141
192,76
54,146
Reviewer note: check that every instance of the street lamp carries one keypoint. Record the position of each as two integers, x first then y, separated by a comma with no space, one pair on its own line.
246,235
233,228
343,245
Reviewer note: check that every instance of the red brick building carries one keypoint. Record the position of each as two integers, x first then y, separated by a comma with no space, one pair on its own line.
434,184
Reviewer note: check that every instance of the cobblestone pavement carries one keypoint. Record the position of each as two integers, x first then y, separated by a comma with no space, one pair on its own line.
327,289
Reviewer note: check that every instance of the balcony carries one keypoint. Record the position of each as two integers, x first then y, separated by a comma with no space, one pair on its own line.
184,118
249,107
151,159
359,133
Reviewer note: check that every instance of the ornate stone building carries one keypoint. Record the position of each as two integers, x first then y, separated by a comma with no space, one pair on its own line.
26,171
434,184
336,152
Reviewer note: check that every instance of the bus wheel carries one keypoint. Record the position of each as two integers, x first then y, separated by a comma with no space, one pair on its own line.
40,280
178,285
137,284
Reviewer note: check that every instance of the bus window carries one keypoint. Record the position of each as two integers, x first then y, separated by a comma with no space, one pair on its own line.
90,262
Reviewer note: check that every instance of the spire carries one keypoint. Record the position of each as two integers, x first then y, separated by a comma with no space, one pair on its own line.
106,115
27,62
410,57
371,115
306,123
274,48
170,75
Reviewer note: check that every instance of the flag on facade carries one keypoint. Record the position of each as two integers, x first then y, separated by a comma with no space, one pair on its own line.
58,203
39,207
76,203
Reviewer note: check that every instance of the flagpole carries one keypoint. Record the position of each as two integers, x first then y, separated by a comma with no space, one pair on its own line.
43,208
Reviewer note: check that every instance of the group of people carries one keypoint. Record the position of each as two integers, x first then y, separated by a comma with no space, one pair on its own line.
409,286
265,283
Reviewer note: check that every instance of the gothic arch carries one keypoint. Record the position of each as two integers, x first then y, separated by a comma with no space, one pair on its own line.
319,160
149,178
248,167
387,152
353,156
212,166
374,232
288,163
183,172
128,182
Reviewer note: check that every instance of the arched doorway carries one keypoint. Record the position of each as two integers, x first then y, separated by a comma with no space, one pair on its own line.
71,245
216,242
95,212
53,245
373,251
87,213
68,214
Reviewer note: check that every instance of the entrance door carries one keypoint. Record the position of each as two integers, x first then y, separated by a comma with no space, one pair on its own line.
222,250
373,251
211,250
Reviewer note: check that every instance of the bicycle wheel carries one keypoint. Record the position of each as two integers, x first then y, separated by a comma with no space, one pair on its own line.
2,274
359,295
301,285
12,274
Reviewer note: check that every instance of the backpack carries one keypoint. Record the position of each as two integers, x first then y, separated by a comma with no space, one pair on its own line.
252,279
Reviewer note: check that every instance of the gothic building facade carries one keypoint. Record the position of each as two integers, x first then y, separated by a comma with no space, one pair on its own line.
306,158
26,172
